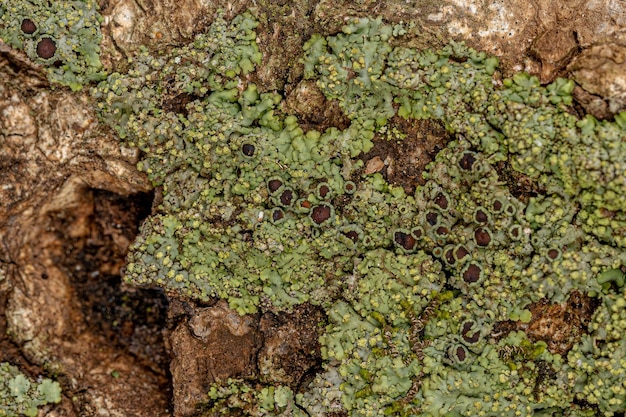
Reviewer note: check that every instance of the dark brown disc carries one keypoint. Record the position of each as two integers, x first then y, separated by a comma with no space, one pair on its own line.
321,213
46,48
28,26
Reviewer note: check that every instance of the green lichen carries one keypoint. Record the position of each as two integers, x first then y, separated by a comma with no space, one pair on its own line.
63,36
21,396
239,396
599,360
215,157
256,211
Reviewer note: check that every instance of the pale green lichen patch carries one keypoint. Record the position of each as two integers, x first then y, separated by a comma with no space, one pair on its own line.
523,122
217,160
599,360
260,213
21,396
64,36
239,396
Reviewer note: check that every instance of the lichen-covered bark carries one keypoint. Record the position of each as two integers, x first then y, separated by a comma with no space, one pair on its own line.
54,153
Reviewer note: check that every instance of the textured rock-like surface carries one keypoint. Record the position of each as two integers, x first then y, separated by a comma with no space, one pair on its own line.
213,345
600,70
53,153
